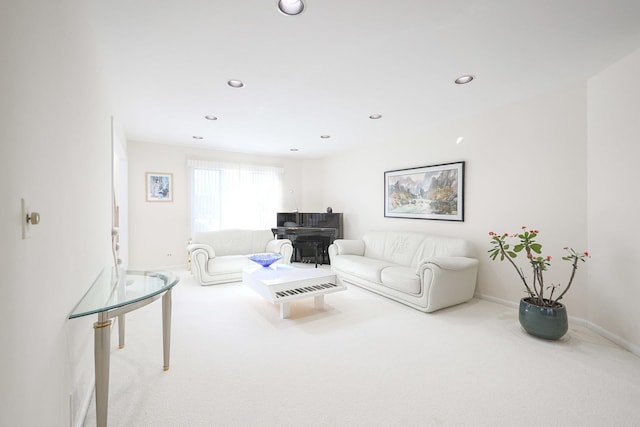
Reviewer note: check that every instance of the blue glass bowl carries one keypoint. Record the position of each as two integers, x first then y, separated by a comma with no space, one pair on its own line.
266,259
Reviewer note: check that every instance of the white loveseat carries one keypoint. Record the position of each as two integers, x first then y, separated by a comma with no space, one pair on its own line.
422,271
219,256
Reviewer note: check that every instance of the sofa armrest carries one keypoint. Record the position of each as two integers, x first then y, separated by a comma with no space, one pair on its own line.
276,244
447,263
347,247
448,280
282,247
195,246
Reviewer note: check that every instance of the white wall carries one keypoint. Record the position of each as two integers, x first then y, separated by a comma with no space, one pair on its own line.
525,165
614,151
55,150
159,232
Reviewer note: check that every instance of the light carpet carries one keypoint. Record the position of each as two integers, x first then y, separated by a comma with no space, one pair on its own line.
362,361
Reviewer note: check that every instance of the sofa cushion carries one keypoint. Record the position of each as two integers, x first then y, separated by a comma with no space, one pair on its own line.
367,268
401,247
395,247
408,248
402,279
235,242
228,264
433,246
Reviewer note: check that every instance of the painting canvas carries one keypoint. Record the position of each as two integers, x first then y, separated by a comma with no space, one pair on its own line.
428,192
159,187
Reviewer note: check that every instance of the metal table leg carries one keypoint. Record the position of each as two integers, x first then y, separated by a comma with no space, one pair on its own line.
166,328
121,331
102,342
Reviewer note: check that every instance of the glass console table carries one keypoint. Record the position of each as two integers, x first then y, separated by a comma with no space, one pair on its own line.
114,294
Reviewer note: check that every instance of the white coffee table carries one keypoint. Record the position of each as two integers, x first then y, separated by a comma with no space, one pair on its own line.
281,284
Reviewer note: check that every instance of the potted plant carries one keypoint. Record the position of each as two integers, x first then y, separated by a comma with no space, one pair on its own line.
541,313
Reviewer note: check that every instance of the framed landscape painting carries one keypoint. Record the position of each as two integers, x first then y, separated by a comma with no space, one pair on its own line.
159,187
428,192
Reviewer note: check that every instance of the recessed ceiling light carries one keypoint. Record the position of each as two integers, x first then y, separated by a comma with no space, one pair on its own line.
463,80
293,149
210,117
325,136
235,83
291,7
375,116
197,137
459,140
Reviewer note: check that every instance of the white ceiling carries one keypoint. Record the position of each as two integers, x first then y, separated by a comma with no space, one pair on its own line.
326,70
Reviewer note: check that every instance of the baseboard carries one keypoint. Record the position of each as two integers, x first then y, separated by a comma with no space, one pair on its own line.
575,321
614,338
496,300
79,421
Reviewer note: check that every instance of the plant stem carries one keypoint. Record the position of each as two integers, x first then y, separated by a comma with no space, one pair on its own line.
574,266
538,272
535,280
520,273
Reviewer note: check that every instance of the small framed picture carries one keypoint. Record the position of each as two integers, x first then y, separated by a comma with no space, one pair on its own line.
159,187
428,192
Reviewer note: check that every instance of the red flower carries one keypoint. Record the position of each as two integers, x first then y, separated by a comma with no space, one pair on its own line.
586,253
524,227
549,258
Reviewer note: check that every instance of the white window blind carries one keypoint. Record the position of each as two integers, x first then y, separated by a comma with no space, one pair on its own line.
234,195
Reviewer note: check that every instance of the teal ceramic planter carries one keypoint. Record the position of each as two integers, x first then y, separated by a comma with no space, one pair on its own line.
549,323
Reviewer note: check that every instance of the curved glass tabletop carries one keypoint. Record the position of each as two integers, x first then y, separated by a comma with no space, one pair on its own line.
111,290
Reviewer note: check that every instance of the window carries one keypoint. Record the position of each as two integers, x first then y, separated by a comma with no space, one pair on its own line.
226,195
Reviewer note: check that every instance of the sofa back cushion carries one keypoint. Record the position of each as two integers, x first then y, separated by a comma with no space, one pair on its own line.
235,242
409,248
391,246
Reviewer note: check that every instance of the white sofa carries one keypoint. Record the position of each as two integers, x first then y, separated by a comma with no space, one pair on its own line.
219,256
422,271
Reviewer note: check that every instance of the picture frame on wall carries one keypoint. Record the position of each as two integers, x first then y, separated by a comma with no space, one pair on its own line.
159,187
427,192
